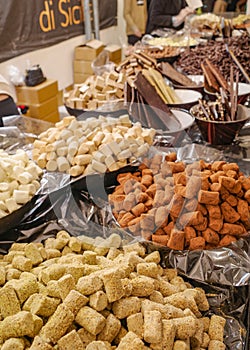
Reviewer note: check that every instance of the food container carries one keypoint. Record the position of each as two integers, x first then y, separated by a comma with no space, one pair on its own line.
188,98
221,132
175,137
112,108
163,53
179,39
243,94
198,79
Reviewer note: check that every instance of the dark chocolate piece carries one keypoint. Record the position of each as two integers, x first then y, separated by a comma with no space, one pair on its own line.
174,75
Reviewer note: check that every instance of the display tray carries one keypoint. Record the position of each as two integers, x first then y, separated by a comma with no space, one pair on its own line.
85,114
169,59
15,218
243,93
187,97
159,52
198,79
178,40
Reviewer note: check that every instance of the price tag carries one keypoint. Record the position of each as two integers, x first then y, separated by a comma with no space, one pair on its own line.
194,4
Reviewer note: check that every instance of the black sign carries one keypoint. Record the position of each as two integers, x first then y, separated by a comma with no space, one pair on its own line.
29,25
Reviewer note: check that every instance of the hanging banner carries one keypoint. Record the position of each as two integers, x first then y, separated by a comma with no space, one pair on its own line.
29,25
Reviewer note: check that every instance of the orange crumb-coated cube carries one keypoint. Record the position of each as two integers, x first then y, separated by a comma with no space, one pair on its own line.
176,240
197,243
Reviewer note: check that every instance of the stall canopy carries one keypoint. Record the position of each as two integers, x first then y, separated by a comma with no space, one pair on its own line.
30,25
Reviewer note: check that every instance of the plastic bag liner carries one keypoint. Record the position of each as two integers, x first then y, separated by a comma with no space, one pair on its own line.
80,206
62,203
227,300
73,208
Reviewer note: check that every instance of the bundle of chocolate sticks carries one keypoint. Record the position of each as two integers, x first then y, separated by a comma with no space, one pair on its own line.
225,107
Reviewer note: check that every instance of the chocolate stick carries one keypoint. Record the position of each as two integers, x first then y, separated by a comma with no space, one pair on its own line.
217,74
243,71
231,91
225,104
210,77
213,113
236,95
204,110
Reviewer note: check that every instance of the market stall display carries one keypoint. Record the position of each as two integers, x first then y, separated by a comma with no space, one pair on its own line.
180,80
146,103
151,96
219,132
135,241
213,78
221,120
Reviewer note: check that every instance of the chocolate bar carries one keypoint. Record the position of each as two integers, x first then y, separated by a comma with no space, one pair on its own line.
210,79
171,73
217,74
162,111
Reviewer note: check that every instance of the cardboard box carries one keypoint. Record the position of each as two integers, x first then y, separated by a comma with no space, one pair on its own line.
115,52
60,95
42,109
43,123
83,67
80,77
53,117
117,62
37,94
89,51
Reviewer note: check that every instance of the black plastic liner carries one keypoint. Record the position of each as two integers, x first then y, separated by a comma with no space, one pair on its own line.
225,299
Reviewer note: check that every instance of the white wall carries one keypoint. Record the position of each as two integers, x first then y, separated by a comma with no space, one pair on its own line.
57,61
